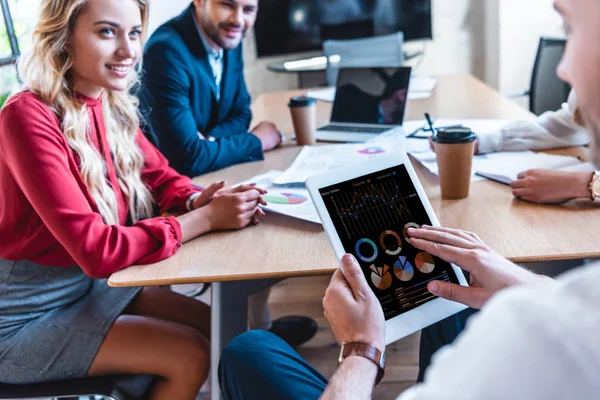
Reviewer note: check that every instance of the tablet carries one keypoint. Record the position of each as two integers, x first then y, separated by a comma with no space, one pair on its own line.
366,210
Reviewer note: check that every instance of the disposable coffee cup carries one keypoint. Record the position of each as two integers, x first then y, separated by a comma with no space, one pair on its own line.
304,117
454,148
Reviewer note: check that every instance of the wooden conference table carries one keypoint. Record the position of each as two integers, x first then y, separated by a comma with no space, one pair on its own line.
243,262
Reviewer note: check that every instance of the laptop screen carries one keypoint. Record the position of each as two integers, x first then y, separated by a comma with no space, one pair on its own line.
371,95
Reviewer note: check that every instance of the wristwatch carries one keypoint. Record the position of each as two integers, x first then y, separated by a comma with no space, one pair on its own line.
367,351
595,186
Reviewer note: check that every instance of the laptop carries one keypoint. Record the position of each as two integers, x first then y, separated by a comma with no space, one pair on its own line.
368,102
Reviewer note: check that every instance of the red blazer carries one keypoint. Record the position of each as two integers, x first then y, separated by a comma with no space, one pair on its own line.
46,212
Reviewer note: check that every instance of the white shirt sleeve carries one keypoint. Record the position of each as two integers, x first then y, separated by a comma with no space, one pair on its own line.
529,343
552,129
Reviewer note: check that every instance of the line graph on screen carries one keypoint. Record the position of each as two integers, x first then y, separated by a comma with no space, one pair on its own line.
371,207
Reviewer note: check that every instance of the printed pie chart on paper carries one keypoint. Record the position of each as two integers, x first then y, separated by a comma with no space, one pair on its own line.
285,198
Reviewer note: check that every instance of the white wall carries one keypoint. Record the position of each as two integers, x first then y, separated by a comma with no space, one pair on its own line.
495,40
163,10
521,25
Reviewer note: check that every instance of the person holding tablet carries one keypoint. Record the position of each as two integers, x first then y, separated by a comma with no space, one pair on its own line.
81,186
535,340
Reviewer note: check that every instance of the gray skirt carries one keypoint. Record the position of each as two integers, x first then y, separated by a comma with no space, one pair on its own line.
53,320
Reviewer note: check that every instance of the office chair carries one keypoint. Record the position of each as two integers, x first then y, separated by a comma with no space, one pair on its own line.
379,51
106,387
547,92
350,30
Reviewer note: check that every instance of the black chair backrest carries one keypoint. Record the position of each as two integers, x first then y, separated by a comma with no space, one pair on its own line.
349,30
548,92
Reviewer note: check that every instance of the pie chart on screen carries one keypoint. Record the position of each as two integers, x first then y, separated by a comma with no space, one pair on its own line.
381,277
425,262
403,269
285,198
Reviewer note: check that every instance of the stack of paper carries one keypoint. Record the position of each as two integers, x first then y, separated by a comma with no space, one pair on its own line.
479,126
313,160
505,166
507,171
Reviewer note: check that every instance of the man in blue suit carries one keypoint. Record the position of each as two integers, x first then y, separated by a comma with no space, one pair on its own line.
194,95
197,110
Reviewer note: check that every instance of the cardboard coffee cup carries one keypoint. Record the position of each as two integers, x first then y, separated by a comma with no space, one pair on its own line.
454,148
304,117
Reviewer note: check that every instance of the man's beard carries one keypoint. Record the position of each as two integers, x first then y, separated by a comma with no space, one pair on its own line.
213,33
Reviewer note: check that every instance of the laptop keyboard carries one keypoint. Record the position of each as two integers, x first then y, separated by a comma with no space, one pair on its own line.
358,129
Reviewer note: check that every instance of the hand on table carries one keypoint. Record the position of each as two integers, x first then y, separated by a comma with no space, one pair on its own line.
207,195
549,186
268,134
353,311
236,207
490,272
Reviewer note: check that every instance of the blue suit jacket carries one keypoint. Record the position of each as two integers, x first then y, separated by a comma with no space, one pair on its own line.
178,100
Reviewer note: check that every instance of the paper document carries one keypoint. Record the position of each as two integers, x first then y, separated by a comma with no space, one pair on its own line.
422,84
585,167
313,160
505,166
420,88
396,138
510,169
479,126
293,202
327,95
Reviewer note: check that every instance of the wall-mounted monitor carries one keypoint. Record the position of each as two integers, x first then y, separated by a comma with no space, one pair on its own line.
292,26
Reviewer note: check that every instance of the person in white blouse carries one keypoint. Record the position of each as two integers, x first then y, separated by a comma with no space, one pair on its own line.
552,129
535,338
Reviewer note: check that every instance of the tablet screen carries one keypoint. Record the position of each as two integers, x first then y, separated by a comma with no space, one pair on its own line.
371,215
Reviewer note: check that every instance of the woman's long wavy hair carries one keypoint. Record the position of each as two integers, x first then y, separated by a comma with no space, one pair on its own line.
46,71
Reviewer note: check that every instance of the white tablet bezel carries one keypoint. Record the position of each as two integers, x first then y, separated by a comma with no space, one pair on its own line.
424,315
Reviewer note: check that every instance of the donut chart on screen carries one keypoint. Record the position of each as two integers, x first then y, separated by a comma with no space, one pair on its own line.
285,198
425,262
367,242
403,269
383,245
405,229
381,277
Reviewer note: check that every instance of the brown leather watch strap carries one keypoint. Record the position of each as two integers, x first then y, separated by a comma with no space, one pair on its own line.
367,351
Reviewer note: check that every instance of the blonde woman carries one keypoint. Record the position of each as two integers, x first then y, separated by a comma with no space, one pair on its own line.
80,184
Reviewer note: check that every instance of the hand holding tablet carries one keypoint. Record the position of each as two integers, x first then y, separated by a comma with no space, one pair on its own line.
366,211
378,212
351,307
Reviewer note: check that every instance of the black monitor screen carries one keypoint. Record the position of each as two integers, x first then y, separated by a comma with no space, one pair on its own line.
288,26
371,95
